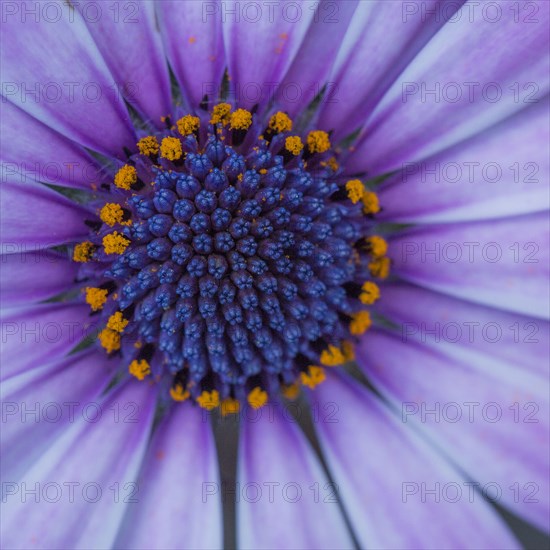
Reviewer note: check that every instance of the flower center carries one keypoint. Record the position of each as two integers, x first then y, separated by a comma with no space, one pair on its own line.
232,260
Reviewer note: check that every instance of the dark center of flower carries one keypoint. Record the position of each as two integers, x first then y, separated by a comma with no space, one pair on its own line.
233,260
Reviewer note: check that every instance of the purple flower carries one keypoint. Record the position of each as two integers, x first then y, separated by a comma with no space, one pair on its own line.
322,223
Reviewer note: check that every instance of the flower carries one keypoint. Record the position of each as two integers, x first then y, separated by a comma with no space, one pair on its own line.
217,243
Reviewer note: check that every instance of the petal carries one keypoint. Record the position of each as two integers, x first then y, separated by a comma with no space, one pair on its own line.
35,217
383,472
192,30
278,475
39,405
500,172
272,35
86,480
71,91
471,75
37,334
31,151
503,263
177,484
132,48
485,419
34,276
389,35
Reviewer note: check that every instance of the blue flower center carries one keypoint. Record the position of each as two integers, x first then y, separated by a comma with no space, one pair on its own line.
234,260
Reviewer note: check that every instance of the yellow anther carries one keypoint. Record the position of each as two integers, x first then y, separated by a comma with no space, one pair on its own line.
257,398
83,251
263,171
280,122
377,246
148,145
313,377
188,124
318,141
209,399
109,339
333,165
126,177
241,119
332,357
291,391
140,369
117,322
115,243
170,148
96,297
369,293
111,214
294,145
356,190
229,406
179,393
360,322
220,113
380,268
348,351
370,203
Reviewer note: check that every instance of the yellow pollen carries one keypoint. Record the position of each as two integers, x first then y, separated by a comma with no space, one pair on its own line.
257,398
348,351
370,293
263,171
290,391
280,122
294,145
126,177
96,297
209,399
170,148
115,243
380,267
332,357
148,145
188,124
356,190
318,141
111,214
229,406
139,369
220,113
109,339
333,164
83,251
360,323
241,119
313,377
370,203
178,393
117,322
377,246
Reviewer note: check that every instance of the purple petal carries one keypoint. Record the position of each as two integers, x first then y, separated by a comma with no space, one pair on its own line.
101,460
132,48
278,475
176,504
33,276
35,217
470,76
502,263
31,151
71,91
271,36
383,471
192,31
382,39
42,403
490,420
37,334
500,172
